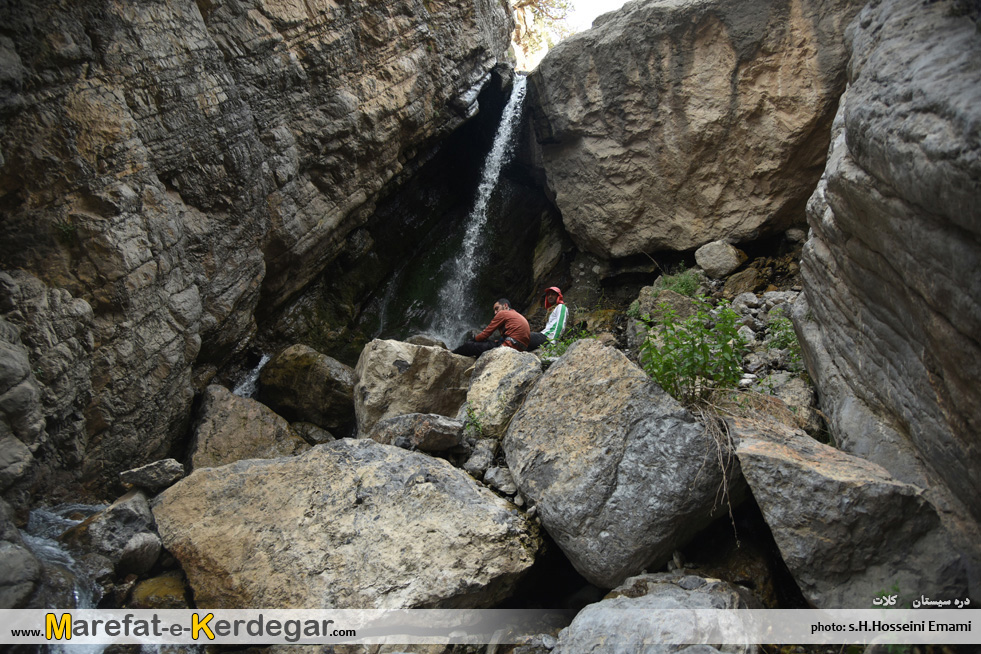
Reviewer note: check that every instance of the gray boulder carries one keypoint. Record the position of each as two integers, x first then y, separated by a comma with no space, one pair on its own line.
153,476
482,457
622,475
351,524
303,385
846,528
500,380
500,479
124,533
395,378
719,259
427,432
231,428
649,609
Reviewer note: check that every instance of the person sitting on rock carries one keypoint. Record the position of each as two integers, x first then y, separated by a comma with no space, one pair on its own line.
512,325
555,324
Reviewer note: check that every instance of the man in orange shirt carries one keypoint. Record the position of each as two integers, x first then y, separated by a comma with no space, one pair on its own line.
514,327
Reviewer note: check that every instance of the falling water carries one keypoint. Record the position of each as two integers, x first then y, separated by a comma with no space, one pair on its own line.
248,386
456,295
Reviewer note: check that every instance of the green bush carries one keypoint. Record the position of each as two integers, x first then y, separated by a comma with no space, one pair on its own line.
555,349
689,358
684,282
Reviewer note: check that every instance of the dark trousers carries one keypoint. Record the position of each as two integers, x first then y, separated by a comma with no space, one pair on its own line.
475,348
537,340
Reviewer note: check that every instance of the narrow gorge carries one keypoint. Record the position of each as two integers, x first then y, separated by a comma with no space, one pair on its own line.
240,238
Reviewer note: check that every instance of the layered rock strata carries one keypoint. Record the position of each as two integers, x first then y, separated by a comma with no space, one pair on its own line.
672,124
171,163
890,320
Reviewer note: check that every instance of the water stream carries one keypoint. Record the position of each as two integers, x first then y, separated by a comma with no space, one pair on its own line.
456,296
44,526
249,384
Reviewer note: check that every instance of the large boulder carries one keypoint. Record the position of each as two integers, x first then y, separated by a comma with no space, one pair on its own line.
845,527
303,385
171,164
395,378
501,379
621,473
231,428
352,524
672,124
622,621
890,319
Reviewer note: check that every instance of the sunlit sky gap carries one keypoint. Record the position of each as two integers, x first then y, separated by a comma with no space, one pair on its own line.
585,11
580,18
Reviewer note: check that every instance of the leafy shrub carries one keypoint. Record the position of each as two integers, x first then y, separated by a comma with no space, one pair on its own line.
685,282
689,358
556,348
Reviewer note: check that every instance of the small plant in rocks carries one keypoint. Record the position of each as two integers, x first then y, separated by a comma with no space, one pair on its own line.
473,424
783,337
690,358
558,347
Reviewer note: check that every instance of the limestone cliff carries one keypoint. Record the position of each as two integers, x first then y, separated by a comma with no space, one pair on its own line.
172,164
892,322
672,124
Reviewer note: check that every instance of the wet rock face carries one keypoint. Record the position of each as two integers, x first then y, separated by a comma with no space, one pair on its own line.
352,524
891,320
170,164
670,125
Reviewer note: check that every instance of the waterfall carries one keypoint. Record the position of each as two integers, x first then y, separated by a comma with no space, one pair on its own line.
455,298
248,386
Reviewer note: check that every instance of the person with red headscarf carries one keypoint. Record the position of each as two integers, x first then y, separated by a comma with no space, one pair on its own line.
556,319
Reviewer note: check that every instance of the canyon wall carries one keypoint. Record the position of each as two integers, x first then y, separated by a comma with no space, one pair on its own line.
168,168
891,315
